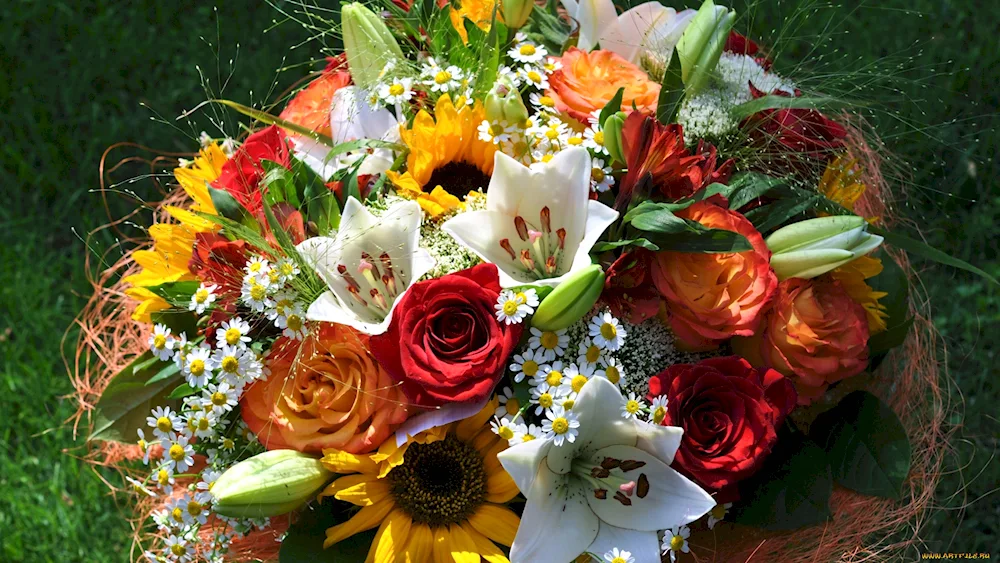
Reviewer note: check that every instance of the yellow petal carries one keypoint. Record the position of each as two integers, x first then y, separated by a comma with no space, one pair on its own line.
420,546
365,519
468,428
463,547
498,523
442,545
343,462
391,539
500,488
487,550
360,489
191,220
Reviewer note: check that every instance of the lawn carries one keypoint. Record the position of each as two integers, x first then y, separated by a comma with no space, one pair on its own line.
80,76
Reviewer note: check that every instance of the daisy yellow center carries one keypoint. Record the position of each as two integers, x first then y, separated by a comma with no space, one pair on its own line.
258,291
178,549
505,432
546,101
599,137
143,445
597,174
547,157
287,269
440,483
230,364
510,308
202,424
233,336
554,377
552,134
197,367
274,276
512,406
528,438
632,407
568,404
676,543
549,340
530,368
228,444
442,77
294,322
593,354
659,414
527,50
545,400
194,508
255,267
619,560
396,90
219,398
578,382
534,76
718,511
159,341
162,477
613,374
560,425
521,297
164,424
608,331
496,129
177,452
201,295
575,141
177,514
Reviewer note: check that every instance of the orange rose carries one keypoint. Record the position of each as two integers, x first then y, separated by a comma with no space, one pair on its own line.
815,334
329,393
310,107
588,81
713,297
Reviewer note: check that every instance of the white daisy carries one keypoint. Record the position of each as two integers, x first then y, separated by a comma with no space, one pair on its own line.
528,53
287,270
497,132
202,423
233,332
181,349
553,374
293,323
601,176
503,427
588,353
163,478
255,295
208,478
619,556
164,422
258,267
529,363
143,445
284,302
178,453
529,296
545,397
232,363
509,404
197,507
560,425
396,91
202,298
542,102
632,406
197,367
675,541
607,332
717,514
552,344
139,486
220,398
575,377
444,80
611,369
534,76
177,549
161,343
509,76
510,308
551,65
527,433
658,410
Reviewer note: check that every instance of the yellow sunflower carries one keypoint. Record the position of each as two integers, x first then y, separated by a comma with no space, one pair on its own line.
841,183
447,158
852,278
442,499
168,260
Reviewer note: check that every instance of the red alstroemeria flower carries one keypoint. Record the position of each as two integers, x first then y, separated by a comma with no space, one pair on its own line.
291,222
800,132
220,261
629,289
242,174
655,153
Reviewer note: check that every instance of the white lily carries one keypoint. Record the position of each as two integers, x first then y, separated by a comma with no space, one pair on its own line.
612,486
351,119
650,27
539,223
367,266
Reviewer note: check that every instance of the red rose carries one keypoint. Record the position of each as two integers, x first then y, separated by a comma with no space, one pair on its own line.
444,344
801,132
730,413
241,174
219,261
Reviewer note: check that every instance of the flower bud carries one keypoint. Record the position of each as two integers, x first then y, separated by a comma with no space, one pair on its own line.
504,103
571,300
702,43
516,12
368,43
513,108
613,136
269,484
816,246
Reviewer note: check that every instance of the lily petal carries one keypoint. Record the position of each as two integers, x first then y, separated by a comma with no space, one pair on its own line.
598,409
521,462
557,524
644,546
661,441
671,499
628,35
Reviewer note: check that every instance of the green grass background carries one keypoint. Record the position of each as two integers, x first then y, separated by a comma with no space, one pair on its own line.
75,77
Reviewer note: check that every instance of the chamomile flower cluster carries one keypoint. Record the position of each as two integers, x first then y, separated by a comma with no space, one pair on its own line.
512,307
266,292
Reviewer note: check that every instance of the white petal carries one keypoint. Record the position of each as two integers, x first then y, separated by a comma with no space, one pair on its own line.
644,546
661,441
351,118
557,524
599,218
446,414
481,232
521,462
316,156
633,25
593,16
672,499
598,408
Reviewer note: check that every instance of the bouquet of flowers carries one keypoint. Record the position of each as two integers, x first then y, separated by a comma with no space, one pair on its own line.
511,281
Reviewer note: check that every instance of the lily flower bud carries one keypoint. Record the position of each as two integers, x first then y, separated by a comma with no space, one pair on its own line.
816,246
268,484
613,136
570,300
368,43
701,45
516,12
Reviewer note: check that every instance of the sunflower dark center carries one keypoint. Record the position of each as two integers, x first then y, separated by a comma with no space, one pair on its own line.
440,483
458,179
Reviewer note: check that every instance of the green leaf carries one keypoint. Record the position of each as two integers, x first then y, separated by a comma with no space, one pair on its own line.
893,281
489,53
746,187
612,107
662,221
773,101
128,399
304,542
177,320
713,241
918,248
176,293
770,217
669,232
227,206
279,184
866,445
167,370
181,391
671,91
791,490
639,242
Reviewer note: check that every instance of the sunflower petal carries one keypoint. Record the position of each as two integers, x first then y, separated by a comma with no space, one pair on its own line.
365,519
392,538
343,462
442,546
463,547
359,489
497,523
487,549
420,546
